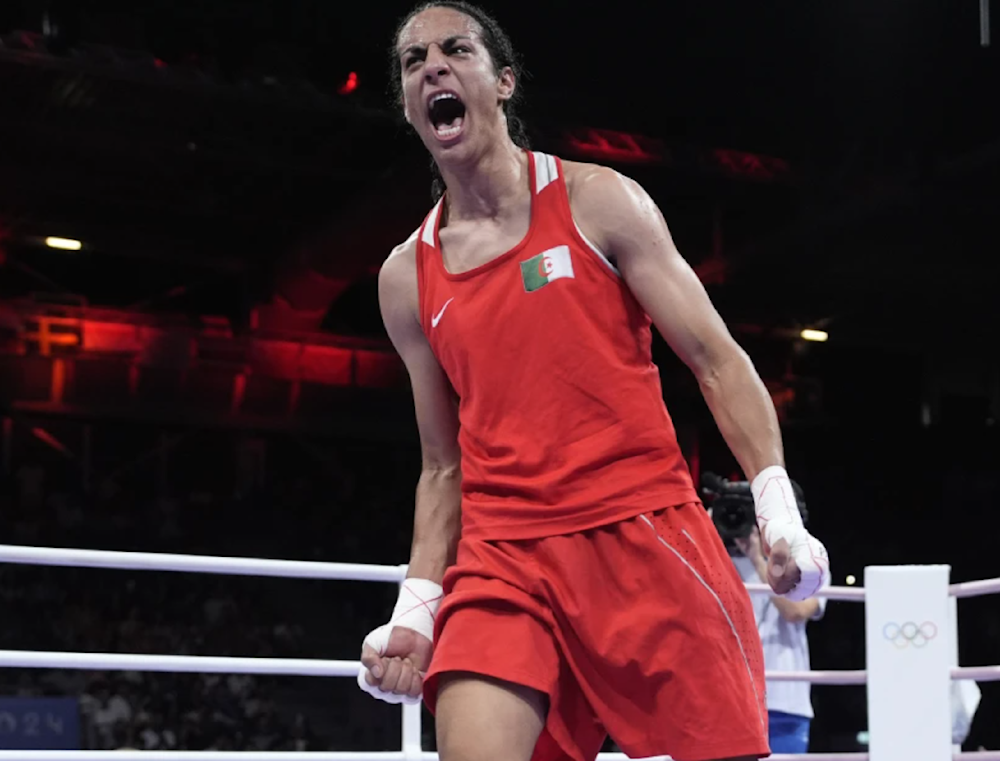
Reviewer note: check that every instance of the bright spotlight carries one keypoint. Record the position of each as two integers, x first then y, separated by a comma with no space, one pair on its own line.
851,580
66,244
814,335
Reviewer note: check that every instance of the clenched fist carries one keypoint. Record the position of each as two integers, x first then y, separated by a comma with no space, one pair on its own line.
395,657
395,662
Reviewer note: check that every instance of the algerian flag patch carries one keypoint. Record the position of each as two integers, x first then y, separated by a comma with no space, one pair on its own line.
549,265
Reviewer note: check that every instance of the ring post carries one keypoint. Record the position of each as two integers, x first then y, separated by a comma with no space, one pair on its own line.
909,652
412,740
412,728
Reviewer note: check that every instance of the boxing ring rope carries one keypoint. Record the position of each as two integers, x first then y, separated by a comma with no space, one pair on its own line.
844,594
210,664
155,561
412,751
177,664
975,588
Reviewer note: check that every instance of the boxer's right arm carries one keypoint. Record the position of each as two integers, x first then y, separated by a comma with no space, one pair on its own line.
437,516
395,656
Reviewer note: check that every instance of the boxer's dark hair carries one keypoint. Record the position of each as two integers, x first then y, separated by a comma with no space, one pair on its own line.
502,53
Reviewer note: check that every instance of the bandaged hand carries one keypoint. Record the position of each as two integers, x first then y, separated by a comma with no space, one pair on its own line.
395,656
797,563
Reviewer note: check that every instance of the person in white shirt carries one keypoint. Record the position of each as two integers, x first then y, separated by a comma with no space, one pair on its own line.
782,626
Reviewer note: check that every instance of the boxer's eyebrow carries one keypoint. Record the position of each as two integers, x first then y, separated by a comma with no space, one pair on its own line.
449,42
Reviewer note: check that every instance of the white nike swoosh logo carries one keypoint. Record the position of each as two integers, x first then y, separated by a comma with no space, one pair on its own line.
437,318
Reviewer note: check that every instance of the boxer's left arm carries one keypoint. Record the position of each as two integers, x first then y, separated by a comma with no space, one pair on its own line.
623,221
620,218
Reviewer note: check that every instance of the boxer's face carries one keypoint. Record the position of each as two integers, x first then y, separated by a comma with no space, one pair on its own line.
452,92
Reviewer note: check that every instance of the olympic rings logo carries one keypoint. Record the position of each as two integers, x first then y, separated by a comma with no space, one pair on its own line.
902,636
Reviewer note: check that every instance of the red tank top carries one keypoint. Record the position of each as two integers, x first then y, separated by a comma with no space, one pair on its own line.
562,421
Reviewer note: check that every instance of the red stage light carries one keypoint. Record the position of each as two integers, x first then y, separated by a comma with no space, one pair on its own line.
350,85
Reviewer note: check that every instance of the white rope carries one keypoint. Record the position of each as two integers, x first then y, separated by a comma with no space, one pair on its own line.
977,673
975,588
209,664
153,561
196,664
848,594
309,569
818,677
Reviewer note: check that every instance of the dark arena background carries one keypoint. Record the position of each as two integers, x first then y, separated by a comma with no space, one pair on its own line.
196,197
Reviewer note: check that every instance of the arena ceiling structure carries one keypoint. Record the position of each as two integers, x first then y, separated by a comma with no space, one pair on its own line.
834,166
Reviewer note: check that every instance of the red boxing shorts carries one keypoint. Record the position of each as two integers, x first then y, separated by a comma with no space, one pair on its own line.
641,629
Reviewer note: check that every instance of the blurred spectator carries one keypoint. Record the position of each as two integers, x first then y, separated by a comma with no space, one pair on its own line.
307,507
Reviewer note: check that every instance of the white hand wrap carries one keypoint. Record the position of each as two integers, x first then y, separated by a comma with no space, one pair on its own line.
779,518
416,607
